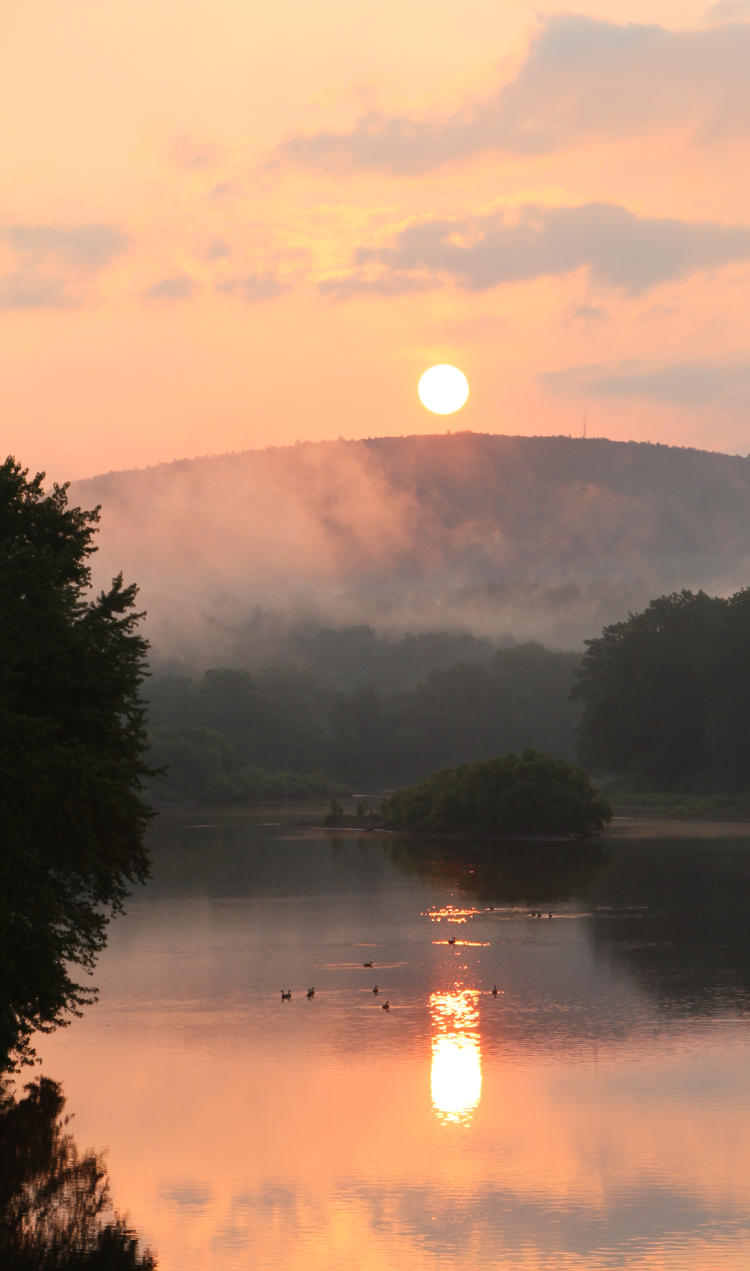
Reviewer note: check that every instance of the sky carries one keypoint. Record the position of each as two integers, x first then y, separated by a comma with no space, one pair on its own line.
231,226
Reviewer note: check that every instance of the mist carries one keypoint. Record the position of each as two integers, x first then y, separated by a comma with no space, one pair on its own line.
508,538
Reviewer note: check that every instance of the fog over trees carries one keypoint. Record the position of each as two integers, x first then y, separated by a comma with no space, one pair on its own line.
541,538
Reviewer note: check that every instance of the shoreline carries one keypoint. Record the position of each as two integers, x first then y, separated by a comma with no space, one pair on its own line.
628,823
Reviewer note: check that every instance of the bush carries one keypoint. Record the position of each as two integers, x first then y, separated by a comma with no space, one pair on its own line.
531,794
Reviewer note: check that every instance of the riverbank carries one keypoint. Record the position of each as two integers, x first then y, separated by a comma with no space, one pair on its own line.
639,821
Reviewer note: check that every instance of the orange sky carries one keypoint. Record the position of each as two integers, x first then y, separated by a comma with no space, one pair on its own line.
229,226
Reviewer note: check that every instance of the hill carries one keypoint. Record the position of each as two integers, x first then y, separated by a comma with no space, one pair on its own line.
531,537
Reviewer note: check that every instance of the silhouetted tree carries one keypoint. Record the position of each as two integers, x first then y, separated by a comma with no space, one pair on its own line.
72,740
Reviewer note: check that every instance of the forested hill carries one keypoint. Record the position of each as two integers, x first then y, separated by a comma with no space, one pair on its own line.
538,537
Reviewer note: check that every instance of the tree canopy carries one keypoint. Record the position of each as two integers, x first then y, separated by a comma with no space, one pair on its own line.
225,734
528,794
666,694
72,744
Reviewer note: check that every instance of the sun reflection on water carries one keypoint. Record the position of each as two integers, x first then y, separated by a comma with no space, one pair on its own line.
456,1075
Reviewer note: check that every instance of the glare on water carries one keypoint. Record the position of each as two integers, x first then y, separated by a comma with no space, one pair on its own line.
456,1074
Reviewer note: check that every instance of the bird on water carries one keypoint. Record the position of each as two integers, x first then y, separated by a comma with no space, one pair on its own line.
286,997
386,1005
367,964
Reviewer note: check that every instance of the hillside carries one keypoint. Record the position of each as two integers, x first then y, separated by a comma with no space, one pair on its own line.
534,537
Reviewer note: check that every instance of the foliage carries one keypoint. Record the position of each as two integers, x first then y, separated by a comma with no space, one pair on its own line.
203,765
72,740
666,695
209,731
335,813
55,1209
531,794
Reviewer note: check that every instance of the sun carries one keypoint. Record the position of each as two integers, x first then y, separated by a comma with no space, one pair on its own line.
443,389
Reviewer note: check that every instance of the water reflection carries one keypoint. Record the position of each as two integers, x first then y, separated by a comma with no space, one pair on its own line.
55,1208
456,1074
519,873
579,1124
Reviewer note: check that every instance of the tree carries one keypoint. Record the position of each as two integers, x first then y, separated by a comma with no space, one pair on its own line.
72,745
528,794
648,693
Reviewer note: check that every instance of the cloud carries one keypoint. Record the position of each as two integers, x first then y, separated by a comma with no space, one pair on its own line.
582,78
728,11
218,249
29,291
618,248
185,151
86,246
721,384
53,264
254,287
358,283
588,314
181,287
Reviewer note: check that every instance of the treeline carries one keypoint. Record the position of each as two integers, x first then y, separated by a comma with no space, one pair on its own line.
666,695
230,734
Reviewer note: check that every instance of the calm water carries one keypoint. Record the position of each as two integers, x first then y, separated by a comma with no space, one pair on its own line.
594,1114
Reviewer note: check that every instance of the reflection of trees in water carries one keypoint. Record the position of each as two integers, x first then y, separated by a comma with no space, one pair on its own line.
55,1208
511,872
672,912
687,938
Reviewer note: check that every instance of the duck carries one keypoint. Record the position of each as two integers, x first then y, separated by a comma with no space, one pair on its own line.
386,1005
376,989
452,940
367,964
311,992
286,996
494,990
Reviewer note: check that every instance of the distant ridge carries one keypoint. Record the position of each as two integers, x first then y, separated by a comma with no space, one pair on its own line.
545,537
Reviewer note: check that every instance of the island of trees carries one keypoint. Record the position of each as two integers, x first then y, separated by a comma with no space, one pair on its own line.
524,794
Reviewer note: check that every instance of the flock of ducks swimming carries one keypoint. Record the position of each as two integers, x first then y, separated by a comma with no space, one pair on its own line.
286,994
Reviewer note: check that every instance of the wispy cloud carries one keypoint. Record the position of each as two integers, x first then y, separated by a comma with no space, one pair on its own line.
358,283
723,384
29,291
187,152
728,11
587,314
179,287
53,264
87,246
254,287
616,247
582,78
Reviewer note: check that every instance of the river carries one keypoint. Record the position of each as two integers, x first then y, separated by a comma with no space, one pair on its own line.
593,1113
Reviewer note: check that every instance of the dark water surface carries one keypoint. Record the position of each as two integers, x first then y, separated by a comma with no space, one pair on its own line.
594,1114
